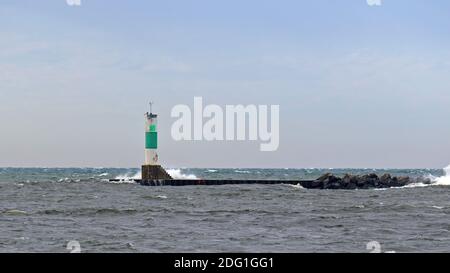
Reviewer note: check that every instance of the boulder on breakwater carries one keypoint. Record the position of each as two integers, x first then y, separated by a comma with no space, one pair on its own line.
366,181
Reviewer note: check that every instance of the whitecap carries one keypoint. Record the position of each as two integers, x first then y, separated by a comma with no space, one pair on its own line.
416,185
297,186
240,171
129,177
15,212
176,174
67,179
443,180
125,181
435,181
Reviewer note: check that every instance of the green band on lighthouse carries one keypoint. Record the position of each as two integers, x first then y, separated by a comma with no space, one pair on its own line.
151,140
153,128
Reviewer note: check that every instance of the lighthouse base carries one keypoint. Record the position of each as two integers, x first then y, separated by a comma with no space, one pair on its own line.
152,172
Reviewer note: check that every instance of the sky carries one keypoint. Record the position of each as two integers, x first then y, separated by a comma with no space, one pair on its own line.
358,86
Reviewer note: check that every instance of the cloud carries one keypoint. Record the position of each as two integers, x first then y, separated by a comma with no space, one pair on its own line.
374,2
168,65
146,63
73,2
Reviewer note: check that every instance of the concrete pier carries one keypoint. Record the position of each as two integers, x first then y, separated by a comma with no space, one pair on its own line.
216,182
325,182
152,172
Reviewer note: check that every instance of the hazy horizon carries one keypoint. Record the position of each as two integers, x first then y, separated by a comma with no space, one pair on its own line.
358,86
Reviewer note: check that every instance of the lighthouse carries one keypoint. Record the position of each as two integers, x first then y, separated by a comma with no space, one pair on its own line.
151,170
151,139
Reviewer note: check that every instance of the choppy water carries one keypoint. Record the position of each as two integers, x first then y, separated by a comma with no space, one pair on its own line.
41,210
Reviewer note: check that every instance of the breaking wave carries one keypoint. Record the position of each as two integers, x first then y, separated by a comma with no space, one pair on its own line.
176,174
442,180
129,176
297,186
435,180
242,171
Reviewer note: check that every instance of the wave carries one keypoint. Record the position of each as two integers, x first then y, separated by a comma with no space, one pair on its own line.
176,174
297,186
435,180
124,181
129,176
14,212
241,171
90,211
443,180
68,179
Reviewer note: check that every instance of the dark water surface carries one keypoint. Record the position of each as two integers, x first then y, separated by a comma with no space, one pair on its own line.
41,210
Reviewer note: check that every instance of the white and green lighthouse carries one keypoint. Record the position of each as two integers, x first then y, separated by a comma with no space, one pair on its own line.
151,139
151,170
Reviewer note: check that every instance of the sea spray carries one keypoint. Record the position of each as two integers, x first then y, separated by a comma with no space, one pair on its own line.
128,176
443,180
434,180
176,174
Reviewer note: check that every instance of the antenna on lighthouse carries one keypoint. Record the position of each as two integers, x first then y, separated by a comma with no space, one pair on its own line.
151,106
